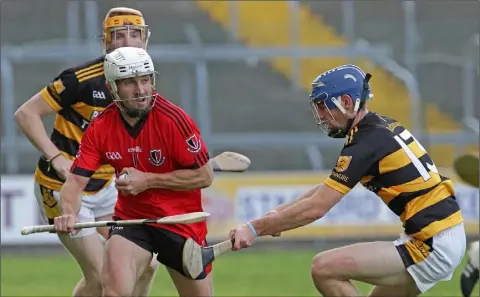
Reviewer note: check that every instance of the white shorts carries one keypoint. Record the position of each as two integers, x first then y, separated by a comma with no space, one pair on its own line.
427,266
93,206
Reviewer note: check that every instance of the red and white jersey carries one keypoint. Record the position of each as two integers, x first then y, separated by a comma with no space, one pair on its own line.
165,140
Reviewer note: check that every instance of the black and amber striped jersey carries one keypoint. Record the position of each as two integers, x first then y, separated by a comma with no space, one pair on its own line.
77,95
388,160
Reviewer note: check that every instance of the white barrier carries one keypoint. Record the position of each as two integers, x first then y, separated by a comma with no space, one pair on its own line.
358,207
233,199
359,213
19,209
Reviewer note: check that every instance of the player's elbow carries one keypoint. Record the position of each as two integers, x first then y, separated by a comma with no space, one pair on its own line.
206,180
322,201
34,109
205,177
25,113
70,193
21,114
316,213
316,207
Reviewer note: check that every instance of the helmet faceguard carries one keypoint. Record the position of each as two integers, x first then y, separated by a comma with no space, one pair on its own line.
328,89
130,62
122,18
135,113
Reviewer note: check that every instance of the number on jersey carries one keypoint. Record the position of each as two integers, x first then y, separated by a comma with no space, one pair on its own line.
406,135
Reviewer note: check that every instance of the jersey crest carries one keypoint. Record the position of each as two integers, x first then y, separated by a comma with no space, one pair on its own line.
156,158
194,145
58,86
342,163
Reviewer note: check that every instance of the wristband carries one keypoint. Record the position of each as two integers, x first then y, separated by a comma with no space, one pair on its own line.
49,162
252,228
60,153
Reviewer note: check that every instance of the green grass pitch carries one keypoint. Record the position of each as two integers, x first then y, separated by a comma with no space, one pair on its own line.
246,273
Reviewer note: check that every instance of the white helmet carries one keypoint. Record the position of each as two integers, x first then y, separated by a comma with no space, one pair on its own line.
126,62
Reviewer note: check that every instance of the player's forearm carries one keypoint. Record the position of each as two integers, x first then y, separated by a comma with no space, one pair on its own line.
304,196
300,214
33,128
71,195
180,180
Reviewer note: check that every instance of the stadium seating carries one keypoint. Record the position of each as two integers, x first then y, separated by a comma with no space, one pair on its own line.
252,96
317,31
443,27
244,98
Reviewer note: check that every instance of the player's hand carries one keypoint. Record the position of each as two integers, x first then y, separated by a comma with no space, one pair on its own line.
134,183
65,223
62,166
243,235
271,213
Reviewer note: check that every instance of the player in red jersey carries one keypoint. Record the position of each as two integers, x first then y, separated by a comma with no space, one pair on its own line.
76,96
160,148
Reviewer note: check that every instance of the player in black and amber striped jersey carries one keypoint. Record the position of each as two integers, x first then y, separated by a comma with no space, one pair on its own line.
77,96
400,171
385,158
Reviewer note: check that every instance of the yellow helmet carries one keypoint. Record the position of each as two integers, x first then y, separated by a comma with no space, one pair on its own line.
123,18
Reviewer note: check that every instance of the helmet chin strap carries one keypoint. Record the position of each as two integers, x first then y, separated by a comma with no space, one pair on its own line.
133,113
342,132
125,110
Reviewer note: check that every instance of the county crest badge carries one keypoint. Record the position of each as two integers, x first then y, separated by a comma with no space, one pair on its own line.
342,163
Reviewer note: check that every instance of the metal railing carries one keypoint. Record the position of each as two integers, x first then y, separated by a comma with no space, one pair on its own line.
194,53
199,54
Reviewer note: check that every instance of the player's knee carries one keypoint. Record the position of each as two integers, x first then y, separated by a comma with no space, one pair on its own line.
322,267
92,273
116,282
319,269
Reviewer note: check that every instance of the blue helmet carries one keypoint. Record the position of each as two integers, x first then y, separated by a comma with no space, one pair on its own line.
330,86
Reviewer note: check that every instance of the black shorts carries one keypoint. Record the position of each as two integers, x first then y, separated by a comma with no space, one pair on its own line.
166,244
